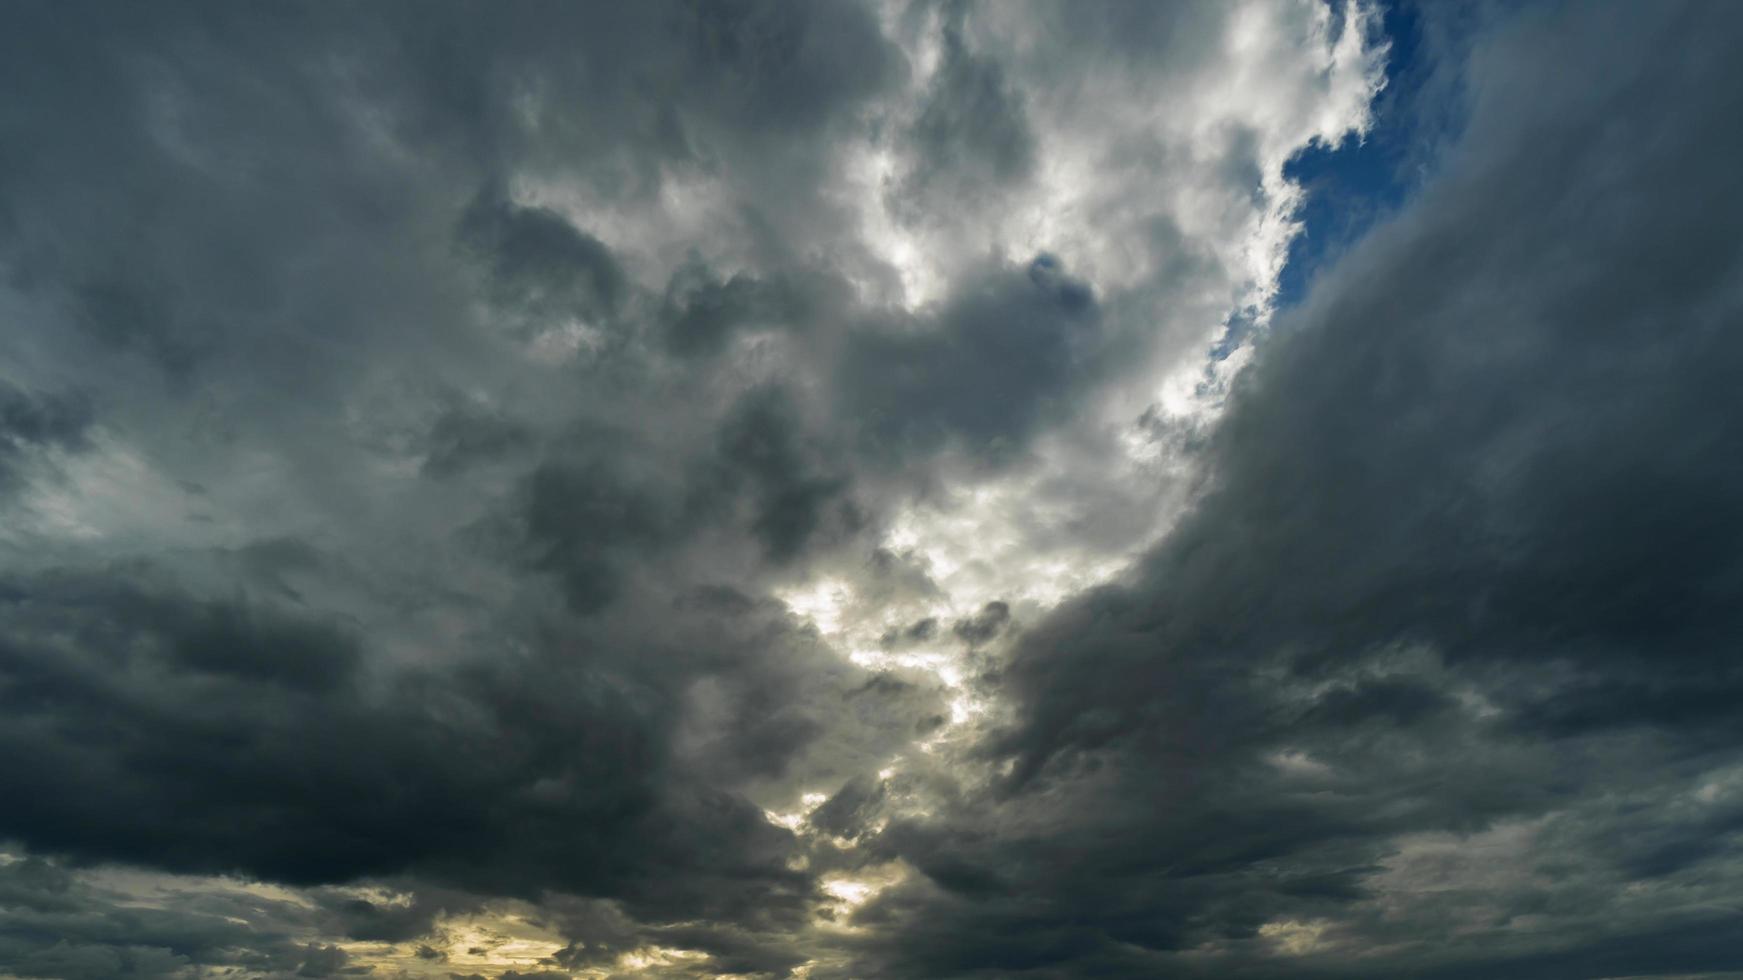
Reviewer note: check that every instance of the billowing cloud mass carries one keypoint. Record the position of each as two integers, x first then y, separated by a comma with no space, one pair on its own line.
870,490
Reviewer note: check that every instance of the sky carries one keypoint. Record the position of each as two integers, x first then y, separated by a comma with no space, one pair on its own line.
871,489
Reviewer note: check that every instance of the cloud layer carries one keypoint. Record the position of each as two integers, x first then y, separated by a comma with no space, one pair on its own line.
828,490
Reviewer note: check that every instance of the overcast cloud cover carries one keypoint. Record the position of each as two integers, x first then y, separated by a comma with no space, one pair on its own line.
837,490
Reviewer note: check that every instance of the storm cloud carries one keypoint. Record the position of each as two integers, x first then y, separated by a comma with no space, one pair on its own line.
864,489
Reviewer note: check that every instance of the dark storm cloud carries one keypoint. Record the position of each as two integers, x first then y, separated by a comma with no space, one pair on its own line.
465,436
30,423
597,518
1469,552
588,523
297,217
702,312
998,360
793,487
130,315
420,411
284,168
147,727
539,264
287,265
848,812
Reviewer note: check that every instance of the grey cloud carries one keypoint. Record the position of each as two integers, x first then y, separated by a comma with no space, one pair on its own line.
324,961
588,524
1432,680
238,740
795,487
539,264
355,130
971,134
896,575
1146,38
919,631
998,360
787,65
132,316
984,625
463,436
702,312
615,506
257,240
33,422
1467,554
848,812
54,922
